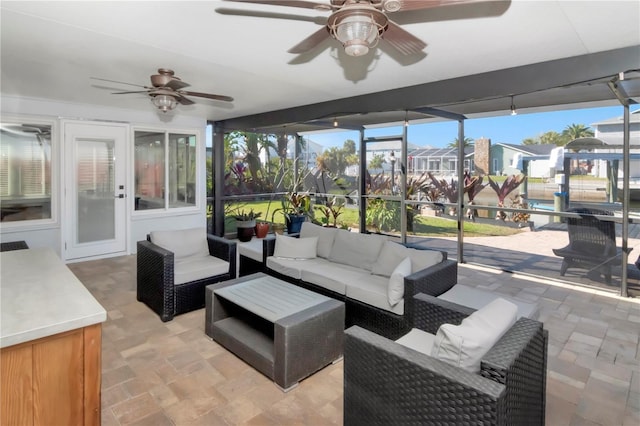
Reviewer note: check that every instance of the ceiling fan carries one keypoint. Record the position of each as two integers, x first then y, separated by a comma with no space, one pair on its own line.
360,24
166,90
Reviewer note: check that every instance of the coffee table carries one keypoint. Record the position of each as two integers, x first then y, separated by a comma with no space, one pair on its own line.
282,330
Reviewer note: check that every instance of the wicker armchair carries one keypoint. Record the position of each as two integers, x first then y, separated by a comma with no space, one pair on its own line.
592,243
156,273
386,383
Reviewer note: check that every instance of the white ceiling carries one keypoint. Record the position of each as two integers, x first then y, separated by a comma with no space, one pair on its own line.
51,49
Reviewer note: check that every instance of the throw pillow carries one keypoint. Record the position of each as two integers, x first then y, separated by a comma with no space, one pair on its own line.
325,237
395,290
295,248
464,345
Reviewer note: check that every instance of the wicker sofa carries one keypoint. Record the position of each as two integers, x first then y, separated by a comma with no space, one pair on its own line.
358,269
174,267
388,383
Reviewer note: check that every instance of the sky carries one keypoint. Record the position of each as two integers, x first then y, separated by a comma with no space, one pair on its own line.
511,129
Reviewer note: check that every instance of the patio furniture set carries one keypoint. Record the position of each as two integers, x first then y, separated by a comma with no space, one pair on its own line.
382,305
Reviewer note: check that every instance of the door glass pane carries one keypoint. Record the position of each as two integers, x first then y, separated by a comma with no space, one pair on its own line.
25,171
149,170
96,194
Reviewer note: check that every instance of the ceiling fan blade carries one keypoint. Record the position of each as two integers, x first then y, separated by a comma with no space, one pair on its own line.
182,100
208,96
120,82
320,20
310,42
427,4
126,93
176,84
402,40
293,3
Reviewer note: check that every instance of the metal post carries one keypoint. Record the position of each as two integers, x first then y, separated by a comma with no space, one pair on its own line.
460,189
218,179
362,184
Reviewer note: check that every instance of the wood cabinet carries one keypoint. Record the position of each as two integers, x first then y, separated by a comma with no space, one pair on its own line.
53,380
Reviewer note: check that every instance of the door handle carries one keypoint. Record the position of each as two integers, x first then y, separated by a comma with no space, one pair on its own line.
121,196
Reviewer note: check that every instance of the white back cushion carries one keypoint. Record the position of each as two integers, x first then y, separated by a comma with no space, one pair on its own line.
464,345
355,249
295,248
325,237
393,253
183,243
395,291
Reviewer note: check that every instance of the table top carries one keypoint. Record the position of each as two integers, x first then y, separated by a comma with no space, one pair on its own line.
270,297
41,297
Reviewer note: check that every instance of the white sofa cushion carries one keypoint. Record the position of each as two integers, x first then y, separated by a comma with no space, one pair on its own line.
418,340
372,290
393,253
295,248
464,345
290,267
332,276
183,243
355,249
197,268
395,288
325,237
477,298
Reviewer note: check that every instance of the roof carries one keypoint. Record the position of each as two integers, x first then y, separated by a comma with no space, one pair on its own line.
534,149
634,117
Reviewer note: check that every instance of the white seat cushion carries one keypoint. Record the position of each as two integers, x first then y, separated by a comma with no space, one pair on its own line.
183,243
418,340
464,345
477,298
332,276
197,268
287,266
372,290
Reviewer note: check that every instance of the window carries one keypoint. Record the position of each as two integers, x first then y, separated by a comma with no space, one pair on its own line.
25,171
165,170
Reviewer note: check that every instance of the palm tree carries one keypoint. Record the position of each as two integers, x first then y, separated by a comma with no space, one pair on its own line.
575,131
466,142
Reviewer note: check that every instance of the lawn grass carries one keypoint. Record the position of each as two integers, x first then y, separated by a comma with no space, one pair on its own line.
423,225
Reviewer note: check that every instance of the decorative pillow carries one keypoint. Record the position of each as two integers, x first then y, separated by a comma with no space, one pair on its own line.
355,249
395,290
325,237
295,248
390,256
464,345
182,243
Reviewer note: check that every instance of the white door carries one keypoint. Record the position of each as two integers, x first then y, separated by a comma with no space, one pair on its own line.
94,214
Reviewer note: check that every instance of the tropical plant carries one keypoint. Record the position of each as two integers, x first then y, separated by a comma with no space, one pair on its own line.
377,161
246,216
575,131
449,190
331,209
510,183
466,142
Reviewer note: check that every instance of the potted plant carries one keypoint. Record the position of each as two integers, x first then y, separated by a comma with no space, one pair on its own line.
246,223
262,229
295,208
331,209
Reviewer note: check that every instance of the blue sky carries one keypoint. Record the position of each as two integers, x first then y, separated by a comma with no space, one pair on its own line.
505,129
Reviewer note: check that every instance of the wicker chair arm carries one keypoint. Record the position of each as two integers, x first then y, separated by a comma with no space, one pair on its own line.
387,383
433,280
430,313
223,249
155,277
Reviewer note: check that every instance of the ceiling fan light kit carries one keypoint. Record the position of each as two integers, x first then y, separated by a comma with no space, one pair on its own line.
164,102
357,31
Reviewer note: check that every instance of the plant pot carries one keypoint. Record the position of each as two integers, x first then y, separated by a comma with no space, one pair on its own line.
262,229
294,223
278,228
245,229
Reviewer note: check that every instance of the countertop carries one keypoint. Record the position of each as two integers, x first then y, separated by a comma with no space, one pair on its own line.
41,297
